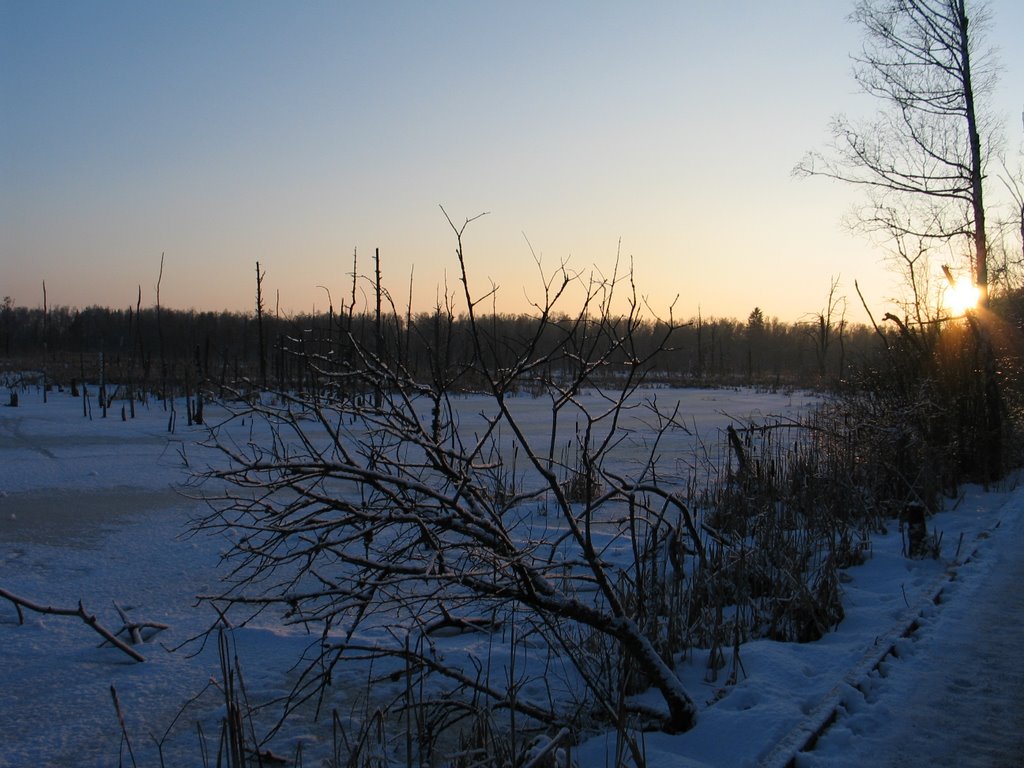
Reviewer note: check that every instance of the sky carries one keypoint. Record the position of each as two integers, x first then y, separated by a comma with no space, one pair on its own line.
222,134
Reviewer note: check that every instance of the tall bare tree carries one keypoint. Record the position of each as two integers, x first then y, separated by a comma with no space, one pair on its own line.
923,156
259,325
1009,246
826,327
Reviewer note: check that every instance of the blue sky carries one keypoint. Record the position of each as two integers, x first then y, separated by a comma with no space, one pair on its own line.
222,134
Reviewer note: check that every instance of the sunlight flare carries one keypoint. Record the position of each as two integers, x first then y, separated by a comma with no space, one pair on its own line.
962,296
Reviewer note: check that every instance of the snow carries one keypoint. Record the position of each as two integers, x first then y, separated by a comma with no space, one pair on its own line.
91,510
950,696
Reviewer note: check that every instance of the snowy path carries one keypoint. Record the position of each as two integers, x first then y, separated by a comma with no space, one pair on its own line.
952,697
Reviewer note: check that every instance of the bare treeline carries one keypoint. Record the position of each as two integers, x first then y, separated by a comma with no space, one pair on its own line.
223,347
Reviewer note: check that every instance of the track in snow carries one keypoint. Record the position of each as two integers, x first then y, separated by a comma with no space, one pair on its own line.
952,696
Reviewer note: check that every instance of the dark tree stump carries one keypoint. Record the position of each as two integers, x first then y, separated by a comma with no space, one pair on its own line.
917,531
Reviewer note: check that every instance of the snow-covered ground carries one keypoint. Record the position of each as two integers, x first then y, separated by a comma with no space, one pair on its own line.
89,510
953,693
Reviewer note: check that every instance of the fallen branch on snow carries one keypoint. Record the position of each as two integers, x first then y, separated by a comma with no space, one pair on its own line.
448,625
80,612
135,628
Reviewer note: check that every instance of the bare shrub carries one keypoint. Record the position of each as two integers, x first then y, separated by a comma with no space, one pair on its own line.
371,508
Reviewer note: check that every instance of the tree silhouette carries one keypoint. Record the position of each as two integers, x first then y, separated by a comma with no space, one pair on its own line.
922,159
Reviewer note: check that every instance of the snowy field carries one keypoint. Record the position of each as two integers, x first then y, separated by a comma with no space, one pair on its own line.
91,511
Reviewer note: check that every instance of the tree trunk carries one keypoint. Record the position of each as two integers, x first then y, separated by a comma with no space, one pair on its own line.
977,197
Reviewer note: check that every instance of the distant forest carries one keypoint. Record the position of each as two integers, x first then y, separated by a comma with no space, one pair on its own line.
154,347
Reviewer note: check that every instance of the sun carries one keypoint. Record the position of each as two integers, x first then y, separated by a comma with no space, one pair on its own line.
962,296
